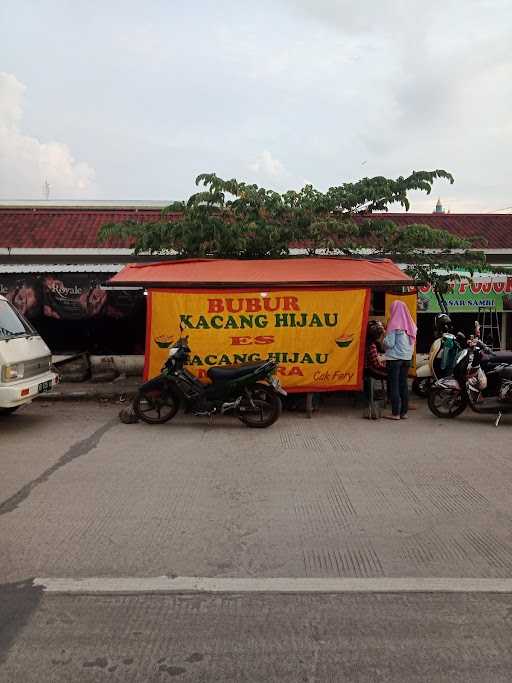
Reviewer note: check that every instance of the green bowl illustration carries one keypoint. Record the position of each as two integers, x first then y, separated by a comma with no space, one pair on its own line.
164,342
344,341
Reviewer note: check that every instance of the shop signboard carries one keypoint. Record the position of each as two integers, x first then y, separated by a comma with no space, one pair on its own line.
317,336
467,296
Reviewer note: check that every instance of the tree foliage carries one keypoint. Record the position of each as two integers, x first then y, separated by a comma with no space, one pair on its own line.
233,219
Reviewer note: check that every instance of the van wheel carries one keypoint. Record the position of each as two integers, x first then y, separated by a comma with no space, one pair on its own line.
8,411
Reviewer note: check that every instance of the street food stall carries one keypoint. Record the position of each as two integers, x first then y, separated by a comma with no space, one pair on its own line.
309,314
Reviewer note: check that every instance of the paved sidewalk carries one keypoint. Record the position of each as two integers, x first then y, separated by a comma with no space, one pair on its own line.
82,495
333,502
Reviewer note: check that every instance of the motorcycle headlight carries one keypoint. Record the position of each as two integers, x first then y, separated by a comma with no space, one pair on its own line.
13,372
272,368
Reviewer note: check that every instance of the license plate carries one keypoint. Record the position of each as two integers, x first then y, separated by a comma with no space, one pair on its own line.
44,386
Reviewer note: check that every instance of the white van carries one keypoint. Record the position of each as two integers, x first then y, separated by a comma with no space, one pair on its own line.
25,361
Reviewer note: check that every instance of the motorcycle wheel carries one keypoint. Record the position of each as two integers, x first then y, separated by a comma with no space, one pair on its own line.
155,405
421,386
266,408
446,404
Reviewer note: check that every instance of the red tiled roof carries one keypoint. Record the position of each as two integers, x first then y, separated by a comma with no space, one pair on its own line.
41,228
495,228
52,228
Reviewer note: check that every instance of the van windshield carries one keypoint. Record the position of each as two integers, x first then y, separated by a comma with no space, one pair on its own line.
11,323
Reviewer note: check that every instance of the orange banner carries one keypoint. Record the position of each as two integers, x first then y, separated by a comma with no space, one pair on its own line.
316,336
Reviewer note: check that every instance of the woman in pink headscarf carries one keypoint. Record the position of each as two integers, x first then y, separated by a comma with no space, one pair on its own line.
399,344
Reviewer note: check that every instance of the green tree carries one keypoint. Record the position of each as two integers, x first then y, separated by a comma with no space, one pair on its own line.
232,219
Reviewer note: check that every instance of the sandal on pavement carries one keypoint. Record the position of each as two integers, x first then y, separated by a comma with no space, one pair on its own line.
392,417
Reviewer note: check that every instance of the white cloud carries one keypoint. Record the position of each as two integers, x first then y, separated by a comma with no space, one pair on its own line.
328,90
442,96
266,165
26,162
12,92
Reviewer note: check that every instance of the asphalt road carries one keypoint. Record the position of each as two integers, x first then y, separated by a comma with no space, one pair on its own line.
82,495
452,638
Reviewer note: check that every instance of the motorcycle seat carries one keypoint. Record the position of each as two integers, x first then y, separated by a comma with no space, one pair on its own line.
502,357
491,361
506,373
223,373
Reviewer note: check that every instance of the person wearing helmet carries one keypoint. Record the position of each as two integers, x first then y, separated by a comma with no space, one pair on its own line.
443,324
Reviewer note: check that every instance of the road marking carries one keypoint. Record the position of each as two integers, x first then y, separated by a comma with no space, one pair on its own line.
192,584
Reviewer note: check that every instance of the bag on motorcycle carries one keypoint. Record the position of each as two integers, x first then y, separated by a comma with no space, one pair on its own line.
478,381
506,390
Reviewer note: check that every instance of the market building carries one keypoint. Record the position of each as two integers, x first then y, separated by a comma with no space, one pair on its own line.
53,268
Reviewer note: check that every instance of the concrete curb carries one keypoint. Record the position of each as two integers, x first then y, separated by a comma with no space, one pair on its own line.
120,394
196,584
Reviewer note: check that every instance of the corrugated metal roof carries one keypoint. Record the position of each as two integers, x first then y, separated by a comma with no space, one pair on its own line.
106,268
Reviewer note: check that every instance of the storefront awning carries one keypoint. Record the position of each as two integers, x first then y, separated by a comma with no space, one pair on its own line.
303,272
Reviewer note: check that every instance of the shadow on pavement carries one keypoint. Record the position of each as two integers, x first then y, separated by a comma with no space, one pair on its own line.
18,601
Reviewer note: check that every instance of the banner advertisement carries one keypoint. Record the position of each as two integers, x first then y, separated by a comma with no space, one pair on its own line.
316,336
67,296
467,297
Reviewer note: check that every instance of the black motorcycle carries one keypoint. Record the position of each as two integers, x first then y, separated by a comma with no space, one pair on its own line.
249,391
482,380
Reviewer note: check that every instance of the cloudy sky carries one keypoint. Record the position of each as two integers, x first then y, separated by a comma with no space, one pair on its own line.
130,100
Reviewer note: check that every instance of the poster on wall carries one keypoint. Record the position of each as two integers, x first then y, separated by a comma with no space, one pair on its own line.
316,336
67,296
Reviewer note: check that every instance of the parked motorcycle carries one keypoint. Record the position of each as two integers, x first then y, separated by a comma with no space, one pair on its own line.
437,364
482,380
250,391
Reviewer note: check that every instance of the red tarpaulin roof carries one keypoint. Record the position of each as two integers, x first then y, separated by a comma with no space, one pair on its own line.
200,273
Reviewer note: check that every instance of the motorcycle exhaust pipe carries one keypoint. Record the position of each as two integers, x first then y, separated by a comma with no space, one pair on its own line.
226,407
